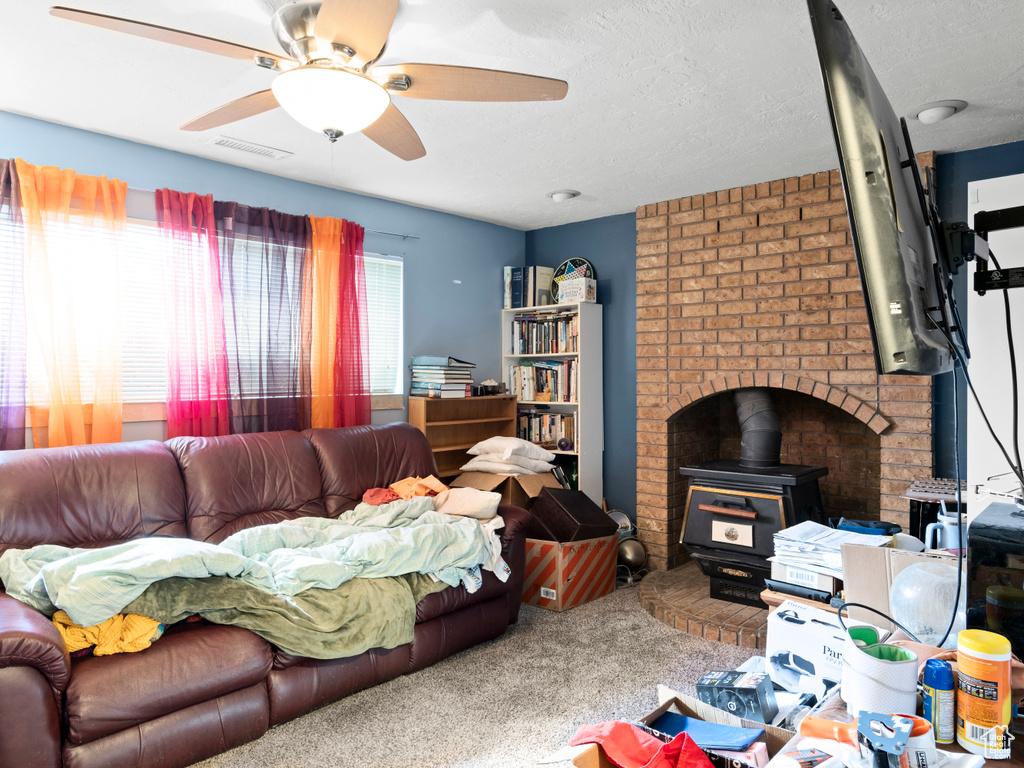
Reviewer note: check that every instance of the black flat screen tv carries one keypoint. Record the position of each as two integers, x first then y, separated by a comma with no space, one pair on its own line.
901,259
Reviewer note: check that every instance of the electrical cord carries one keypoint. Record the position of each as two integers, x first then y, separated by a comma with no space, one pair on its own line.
1013,364
844,604
961,539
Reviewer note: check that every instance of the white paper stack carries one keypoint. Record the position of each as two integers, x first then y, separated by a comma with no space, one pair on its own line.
815,547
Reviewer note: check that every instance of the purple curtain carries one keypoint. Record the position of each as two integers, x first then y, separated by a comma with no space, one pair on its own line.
12,312
263,257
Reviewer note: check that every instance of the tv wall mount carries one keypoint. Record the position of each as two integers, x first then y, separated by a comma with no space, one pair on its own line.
966,244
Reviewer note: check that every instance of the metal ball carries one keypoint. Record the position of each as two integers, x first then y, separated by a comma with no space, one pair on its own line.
632,553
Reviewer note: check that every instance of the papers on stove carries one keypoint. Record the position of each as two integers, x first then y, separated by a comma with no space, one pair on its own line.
818,548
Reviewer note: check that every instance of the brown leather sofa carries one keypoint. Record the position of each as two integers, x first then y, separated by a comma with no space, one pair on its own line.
204,688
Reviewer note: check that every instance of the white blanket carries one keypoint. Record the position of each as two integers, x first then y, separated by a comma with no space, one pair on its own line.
92,585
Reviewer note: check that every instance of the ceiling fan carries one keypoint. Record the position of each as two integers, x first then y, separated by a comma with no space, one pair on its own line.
330,81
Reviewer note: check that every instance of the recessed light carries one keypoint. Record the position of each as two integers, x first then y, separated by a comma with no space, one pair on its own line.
561,195
939,110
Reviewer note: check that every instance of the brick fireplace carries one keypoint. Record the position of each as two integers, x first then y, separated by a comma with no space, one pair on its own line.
758,286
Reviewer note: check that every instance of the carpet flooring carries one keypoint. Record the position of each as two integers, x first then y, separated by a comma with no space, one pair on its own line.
503,704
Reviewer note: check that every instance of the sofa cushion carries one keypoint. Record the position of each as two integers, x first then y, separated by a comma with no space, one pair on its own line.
191,663
239,481
355,459
89,495
451,599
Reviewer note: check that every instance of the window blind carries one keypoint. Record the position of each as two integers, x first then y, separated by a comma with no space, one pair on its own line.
384,320
143,295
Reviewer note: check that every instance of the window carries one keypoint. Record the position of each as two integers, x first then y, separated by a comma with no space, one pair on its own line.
384,318
143,304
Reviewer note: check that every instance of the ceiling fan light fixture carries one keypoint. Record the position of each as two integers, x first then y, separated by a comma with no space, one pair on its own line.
324,99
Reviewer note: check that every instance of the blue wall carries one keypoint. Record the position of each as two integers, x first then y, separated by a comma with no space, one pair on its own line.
954,171
610,245
441,316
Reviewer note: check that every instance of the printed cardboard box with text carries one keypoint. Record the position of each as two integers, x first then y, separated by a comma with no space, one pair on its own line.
560,575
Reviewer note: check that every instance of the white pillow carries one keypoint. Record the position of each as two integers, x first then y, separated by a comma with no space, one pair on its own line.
511,446
532,465
468,502
476,464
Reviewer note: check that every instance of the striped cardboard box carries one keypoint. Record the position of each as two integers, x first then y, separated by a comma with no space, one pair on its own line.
560,575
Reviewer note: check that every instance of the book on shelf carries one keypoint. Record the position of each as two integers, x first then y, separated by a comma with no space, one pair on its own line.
545,333
546,427
437,386
440,393
439,361
553,381
516,288
441,375
542,290
506,279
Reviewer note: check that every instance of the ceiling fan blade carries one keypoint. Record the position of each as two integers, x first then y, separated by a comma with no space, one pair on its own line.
247,106
362,25
451,83
394,133
167,35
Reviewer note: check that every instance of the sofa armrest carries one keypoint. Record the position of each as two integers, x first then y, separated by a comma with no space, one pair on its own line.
513,551
29,639
516,520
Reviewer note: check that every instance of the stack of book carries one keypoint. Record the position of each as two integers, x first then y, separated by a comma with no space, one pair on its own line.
440,376
528,286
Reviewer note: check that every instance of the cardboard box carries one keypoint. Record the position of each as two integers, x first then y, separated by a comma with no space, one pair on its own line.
577,289
561,575
775,738
517,490
805,648
804,578
868,573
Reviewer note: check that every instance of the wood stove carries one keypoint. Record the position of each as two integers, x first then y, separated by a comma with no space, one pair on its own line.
732,513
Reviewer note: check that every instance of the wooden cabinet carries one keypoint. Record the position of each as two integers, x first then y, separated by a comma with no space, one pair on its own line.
454,425
553,361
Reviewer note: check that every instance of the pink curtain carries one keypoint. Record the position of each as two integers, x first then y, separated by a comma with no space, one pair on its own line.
197,379
352,362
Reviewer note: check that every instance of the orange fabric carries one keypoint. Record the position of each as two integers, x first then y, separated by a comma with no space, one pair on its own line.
74,302
327,233
418,486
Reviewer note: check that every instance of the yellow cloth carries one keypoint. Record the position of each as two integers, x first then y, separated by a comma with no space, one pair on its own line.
417,486
124,633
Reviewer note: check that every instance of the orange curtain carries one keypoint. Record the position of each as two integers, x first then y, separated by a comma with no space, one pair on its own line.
336,310
325,272
73,299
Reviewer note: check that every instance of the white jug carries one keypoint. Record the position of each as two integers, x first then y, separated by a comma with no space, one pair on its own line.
944,534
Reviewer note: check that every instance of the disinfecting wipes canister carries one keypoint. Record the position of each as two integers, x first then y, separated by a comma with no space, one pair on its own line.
939,706
983,693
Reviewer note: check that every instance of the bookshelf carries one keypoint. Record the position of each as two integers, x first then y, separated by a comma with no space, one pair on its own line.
562,344
454,425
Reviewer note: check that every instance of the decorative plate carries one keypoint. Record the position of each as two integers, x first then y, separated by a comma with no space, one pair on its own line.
572,267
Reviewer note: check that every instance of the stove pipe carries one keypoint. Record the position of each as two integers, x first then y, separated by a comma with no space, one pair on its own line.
761,439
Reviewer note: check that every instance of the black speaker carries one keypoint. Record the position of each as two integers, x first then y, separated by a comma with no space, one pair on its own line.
561,515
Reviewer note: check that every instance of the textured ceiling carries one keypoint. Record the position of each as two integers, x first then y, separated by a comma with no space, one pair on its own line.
666,97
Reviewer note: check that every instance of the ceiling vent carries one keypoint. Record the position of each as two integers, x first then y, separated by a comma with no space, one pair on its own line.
250,147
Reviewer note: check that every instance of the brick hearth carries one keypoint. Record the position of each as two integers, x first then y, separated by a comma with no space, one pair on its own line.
758,286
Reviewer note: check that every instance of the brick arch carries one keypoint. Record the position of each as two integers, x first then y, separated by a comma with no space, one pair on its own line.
840,398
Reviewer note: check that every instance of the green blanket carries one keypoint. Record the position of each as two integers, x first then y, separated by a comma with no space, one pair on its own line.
317,623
